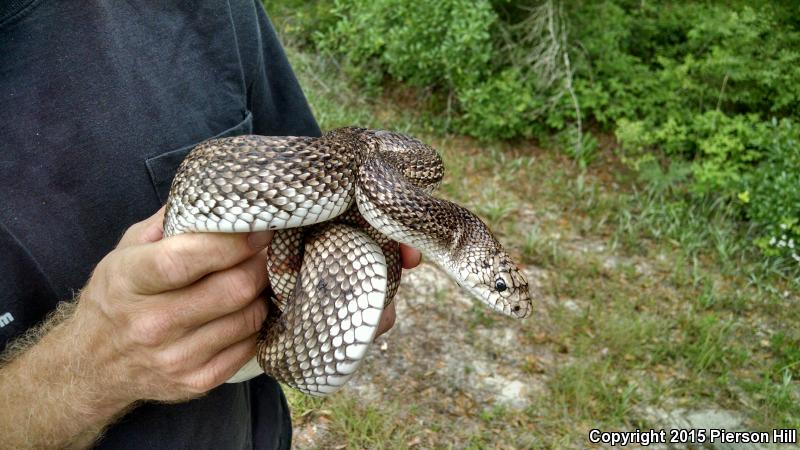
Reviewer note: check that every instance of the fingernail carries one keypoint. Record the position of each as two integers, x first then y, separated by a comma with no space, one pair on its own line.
260,239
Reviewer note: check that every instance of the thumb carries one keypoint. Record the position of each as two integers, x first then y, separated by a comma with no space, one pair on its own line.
146,231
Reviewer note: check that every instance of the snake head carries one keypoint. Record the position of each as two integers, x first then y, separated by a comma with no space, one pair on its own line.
497,281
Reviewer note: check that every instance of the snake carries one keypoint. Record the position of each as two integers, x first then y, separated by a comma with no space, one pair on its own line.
340,205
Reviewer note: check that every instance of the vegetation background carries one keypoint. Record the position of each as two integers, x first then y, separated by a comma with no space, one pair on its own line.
641,158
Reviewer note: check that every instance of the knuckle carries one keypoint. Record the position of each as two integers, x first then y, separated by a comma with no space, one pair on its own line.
118,289
106,288
132,232
202,381
170,361
97,287
107,268
150,330
253,318
241,285
173,264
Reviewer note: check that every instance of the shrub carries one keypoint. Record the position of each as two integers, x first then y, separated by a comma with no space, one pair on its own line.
428,43
772,191
500,107
713,86
446,48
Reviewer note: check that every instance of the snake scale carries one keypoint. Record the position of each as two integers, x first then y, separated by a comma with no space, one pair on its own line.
340,203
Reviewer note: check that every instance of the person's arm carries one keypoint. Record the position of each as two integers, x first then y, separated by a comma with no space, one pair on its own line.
159,319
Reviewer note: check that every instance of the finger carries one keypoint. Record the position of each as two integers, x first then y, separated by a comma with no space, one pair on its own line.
181,260
225,364
410,256
203,343
148,230
387,319
216,295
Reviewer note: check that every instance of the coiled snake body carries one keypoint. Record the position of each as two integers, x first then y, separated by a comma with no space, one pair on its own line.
341,203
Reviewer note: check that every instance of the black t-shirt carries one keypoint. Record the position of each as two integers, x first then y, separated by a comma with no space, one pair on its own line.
99,103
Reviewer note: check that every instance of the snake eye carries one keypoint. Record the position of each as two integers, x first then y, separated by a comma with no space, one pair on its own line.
500,285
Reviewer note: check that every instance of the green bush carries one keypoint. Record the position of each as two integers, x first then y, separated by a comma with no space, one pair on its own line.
499,107
712,86
446,49
722,148
718,80
429,44
772,191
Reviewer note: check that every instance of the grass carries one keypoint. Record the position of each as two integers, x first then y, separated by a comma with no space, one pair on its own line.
672,306
364,426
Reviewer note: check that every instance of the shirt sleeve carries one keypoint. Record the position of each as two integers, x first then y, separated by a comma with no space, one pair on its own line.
274,96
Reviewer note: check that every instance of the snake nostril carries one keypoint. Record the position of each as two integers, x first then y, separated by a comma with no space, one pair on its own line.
517,308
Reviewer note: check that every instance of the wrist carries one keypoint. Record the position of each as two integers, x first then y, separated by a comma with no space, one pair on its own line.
62,392
96,365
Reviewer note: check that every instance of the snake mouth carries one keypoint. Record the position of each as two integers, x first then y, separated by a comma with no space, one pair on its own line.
521,310
516,310
518,306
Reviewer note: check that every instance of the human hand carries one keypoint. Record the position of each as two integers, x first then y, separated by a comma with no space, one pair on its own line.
159,319
175,318
410,258
169,319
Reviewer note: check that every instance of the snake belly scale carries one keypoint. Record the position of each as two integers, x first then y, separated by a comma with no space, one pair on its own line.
340,204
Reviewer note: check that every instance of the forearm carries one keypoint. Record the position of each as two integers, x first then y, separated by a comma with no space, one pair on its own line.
53,389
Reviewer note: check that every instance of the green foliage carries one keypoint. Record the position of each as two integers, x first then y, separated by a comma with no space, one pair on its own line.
500,107
713,73
299,21
772,191
711,87
702,83
787,349
723,148
430,44
447,49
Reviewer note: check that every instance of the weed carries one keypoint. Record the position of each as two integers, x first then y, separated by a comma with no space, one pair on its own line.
534,242
366,425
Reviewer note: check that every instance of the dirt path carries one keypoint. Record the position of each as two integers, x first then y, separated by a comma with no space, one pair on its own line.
447,359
